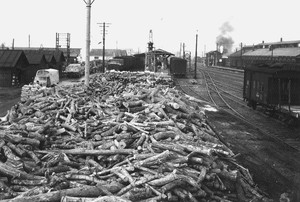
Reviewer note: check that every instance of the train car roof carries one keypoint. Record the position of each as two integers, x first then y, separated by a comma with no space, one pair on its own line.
274,68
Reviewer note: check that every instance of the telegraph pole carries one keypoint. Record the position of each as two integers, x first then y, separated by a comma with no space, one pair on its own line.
104,25
88,40
183,50
196,55
180,50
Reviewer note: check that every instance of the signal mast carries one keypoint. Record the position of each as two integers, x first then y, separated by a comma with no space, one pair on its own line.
150,55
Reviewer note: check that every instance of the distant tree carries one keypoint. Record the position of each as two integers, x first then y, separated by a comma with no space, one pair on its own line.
3,46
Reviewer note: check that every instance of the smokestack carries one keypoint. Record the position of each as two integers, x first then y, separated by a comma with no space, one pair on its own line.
217,46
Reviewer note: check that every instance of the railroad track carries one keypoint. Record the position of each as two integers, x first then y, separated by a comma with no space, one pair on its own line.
216,96
221,96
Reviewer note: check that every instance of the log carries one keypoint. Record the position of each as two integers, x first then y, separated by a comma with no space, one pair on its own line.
14,173
89,152
84,191
131,134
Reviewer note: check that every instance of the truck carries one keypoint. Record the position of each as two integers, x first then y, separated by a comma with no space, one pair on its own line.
74,70
47,77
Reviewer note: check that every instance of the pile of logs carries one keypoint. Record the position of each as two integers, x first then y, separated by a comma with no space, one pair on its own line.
126,137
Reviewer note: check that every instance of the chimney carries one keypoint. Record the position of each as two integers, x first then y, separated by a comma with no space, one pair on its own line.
281,39
263,42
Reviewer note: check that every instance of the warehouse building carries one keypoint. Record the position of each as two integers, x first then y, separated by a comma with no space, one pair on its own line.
272,55
13,66
267,53
96,54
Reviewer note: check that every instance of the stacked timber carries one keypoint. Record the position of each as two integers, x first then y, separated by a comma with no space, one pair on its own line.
126,137
34,90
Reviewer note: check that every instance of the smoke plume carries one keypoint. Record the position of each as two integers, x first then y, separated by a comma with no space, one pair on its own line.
224,39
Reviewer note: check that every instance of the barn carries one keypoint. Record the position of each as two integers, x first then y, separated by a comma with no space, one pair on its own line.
13,66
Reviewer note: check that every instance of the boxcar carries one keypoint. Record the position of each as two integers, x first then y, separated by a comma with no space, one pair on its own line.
274,87
126,63
178,66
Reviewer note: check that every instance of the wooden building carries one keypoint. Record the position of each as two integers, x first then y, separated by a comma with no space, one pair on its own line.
60,60
13,66
213,58
74,53
36,60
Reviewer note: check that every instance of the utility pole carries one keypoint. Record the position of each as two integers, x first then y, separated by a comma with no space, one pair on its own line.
180,51
241,55
196,55
206,60
88,40
183,50
104,25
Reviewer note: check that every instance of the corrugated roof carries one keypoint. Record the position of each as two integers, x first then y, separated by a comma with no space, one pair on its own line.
238,53
58,55
287,52
74,52
279,42
34,57
9,58
50,58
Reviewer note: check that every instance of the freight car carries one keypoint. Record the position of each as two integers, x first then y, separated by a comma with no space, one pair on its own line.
274,87
178,67
126,63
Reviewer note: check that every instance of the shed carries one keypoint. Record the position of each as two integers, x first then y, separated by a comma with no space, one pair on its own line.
36,60
13,65
59,59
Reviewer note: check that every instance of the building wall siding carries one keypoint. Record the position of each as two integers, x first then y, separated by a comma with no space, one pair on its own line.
5,77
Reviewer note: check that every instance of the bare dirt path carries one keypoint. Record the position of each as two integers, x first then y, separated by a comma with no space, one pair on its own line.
8,98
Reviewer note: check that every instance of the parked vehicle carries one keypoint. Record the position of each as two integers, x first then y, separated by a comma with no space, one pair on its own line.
274,87
74,70
126,63
47,77
178,66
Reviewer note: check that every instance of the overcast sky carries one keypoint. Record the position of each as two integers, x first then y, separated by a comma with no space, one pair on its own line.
172,22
